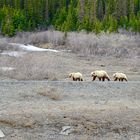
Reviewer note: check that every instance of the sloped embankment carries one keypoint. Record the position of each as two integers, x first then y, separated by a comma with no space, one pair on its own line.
91,109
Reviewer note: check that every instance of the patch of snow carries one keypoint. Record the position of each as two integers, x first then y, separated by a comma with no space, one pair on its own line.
1,134
7,68
32,48
13,53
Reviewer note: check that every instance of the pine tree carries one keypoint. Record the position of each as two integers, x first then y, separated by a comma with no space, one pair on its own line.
60,18
70,24
112,24
124,22
97,27
100,9
8,28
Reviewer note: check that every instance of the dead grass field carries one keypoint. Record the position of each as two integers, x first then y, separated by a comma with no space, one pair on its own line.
78,52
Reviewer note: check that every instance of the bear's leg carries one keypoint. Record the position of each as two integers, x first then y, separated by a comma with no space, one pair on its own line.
74,79
94,77
108,78
99,78
121,79
125,79
103,79
115,79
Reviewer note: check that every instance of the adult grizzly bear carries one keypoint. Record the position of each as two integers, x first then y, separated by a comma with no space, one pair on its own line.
119,76
76,76
101,74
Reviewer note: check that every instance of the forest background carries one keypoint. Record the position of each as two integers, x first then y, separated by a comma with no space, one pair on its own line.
69,15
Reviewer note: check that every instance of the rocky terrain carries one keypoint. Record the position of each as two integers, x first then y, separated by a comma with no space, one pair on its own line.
90,110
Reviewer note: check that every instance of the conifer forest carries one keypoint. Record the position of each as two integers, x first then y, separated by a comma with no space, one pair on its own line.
69,15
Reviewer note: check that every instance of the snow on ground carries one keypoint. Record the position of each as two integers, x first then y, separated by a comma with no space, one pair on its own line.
1,134
25,47
13,53
28,47
6,68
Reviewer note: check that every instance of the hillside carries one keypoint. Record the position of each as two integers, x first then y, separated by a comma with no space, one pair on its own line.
39,101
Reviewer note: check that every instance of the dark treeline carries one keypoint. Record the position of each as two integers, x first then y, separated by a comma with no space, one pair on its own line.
69,15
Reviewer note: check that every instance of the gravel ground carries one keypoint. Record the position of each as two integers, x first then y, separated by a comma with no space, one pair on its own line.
94,110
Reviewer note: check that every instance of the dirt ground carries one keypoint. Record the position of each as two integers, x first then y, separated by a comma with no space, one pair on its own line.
39,109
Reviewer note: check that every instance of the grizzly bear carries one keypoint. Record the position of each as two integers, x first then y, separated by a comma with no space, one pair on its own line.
119,76
77,76
100,74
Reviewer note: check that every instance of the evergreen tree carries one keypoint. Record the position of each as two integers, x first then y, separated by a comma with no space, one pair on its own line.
97,26
8,28
71,20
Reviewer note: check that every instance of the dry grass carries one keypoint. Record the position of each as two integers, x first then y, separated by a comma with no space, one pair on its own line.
28,123
117,45
4,46
8,122
53,37
104,44
94,123
32,66
51,93
90,126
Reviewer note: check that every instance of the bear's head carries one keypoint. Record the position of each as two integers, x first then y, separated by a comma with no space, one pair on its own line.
114,75
70,75
93,74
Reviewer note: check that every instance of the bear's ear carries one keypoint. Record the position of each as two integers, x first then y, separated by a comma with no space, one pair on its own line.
93,73
70,75
114,75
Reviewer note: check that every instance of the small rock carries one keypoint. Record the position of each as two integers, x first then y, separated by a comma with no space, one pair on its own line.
1,134
66,130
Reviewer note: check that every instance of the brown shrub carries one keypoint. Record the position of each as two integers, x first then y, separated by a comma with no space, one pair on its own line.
54,37
8,122
104,44
31,67
27,123
117,45
51,93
